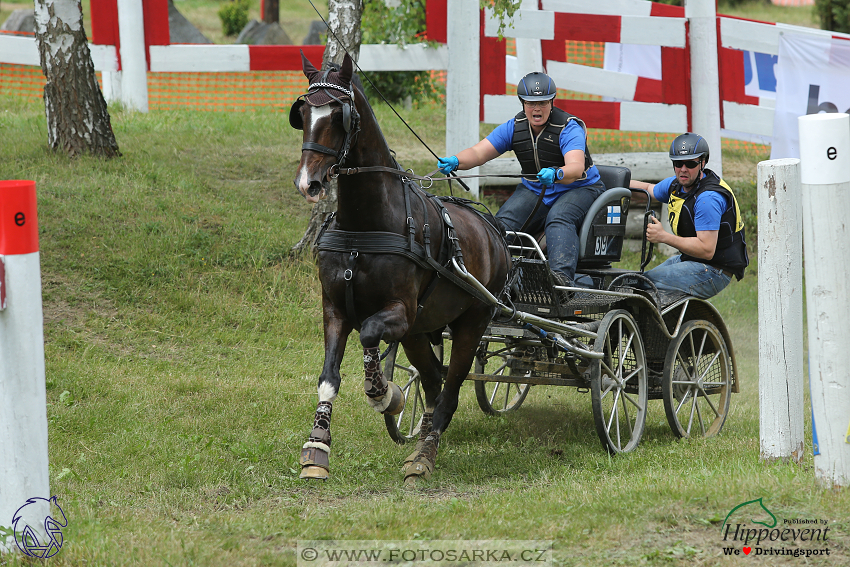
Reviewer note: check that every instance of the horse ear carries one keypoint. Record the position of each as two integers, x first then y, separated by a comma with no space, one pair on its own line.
346,71
307,67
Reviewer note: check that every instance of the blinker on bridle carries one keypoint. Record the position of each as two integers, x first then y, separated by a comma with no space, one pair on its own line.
350,117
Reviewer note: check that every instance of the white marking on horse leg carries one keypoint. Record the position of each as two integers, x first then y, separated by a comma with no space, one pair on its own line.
326,392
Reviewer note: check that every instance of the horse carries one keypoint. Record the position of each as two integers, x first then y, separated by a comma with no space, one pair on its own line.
379,257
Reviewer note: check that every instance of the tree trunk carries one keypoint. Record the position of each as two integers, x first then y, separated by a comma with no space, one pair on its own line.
77,118
344,21
271,11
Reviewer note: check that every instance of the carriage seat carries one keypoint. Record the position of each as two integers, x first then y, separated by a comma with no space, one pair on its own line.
604,228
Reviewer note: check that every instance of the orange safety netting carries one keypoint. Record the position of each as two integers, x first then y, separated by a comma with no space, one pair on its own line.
277,90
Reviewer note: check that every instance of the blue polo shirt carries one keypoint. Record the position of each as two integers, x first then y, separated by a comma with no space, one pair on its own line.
572,138
708,207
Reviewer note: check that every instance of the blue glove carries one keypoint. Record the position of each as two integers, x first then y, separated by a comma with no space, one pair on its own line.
547,176
447,164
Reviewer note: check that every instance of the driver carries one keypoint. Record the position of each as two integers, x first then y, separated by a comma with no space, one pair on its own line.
551,144
706,223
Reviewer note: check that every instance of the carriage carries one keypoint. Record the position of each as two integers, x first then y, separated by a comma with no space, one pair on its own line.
618,342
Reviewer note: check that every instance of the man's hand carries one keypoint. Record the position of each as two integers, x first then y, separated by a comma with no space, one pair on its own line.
655,232
447,164
547,176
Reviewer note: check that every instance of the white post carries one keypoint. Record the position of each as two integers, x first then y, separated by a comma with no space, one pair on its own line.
462,81
134,80
780,305
23,400
705,82
824,154
112,86
529,54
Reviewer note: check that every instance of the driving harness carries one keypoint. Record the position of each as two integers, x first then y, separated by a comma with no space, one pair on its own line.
381,242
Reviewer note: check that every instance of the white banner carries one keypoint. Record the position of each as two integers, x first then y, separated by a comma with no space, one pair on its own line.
812,76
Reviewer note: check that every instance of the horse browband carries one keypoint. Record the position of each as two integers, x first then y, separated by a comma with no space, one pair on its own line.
330,86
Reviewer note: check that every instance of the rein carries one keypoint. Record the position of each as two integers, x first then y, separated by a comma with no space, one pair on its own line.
335,171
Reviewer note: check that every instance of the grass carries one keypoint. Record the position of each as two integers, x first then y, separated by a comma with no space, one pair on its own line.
182,350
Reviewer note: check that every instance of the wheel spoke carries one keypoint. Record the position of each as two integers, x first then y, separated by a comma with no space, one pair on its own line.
693,348
709,365
635,372
626,410
691,418
634,403
686,366
709,402
683,400
701,346
699,416
613,410
495,390
624,356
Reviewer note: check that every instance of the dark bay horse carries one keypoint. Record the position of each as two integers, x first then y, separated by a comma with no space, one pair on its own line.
369,283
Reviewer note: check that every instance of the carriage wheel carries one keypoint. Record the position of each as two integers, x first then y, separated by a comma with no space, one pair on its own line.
405,426
618,383
697,379
496,398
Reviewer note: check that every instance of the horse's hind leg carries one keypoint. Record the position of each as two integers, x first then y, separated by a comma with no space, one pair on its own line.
315,454
390,325
421,356
466,334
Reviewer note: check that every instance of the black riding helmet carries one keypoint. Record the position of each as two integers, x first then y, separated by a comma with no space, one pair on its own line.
536,86
689,146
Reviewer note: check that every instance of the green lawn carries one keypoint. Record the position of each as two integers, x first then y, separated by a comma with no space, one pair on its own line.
183,347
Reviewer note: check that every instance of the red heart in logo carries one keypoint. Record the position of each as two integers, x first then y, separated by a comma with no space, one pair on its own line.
747,550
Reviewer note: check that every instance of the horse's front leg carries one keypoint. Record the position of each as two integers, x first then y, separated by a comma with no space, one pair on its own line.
315,454
389,324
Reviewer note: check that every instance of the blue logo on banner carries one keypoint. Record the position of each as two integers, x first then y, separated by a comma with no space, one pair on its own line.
27,538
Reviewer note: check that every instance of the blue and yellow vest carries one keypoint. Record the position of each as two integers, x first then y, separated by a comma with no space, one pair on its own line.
731,251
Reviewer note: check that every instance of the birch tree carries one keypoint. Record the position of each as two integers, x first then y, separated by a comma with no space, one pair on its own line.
344,18
77,118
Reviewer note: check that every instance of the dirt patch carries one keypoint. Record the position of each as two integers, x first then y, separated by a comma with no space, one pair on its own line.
66,300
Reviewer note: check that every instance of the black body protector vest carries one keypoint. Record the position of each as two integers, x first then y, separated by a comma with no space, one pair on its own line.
545,151
731,251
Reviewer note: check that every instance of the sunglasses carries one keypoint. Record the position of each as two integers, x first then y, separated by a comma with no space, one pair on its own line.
690,164
536,103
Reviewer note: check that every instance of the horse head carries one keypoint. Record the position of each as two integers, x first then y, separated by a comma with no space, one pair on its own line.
330,121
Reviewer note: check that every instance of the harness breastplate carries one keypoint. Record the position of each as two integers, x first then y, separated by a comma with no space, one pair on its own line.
545,151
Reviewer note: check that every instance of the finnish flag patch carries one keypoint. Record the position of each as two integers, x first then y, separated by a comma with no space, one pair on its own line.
614,214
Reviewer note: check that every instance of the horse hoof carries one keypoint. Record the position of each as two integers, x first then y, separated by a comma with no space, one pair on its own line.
396,404
314,473
420,468
411,457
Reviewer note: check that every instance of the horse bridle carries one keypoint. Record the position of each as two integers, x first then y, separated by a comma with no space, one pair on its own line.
350,117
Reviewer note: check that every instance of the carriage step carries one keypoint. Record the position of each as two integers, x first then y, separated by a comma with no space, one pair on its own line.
547,367
534,380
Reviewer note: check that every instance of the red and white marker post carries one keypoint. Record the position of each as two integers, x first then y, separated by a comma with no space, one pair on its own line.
23,398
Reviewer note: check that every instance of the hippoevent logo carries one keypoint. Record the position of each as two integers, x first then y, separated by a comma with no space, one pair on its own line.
766,535
34,519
